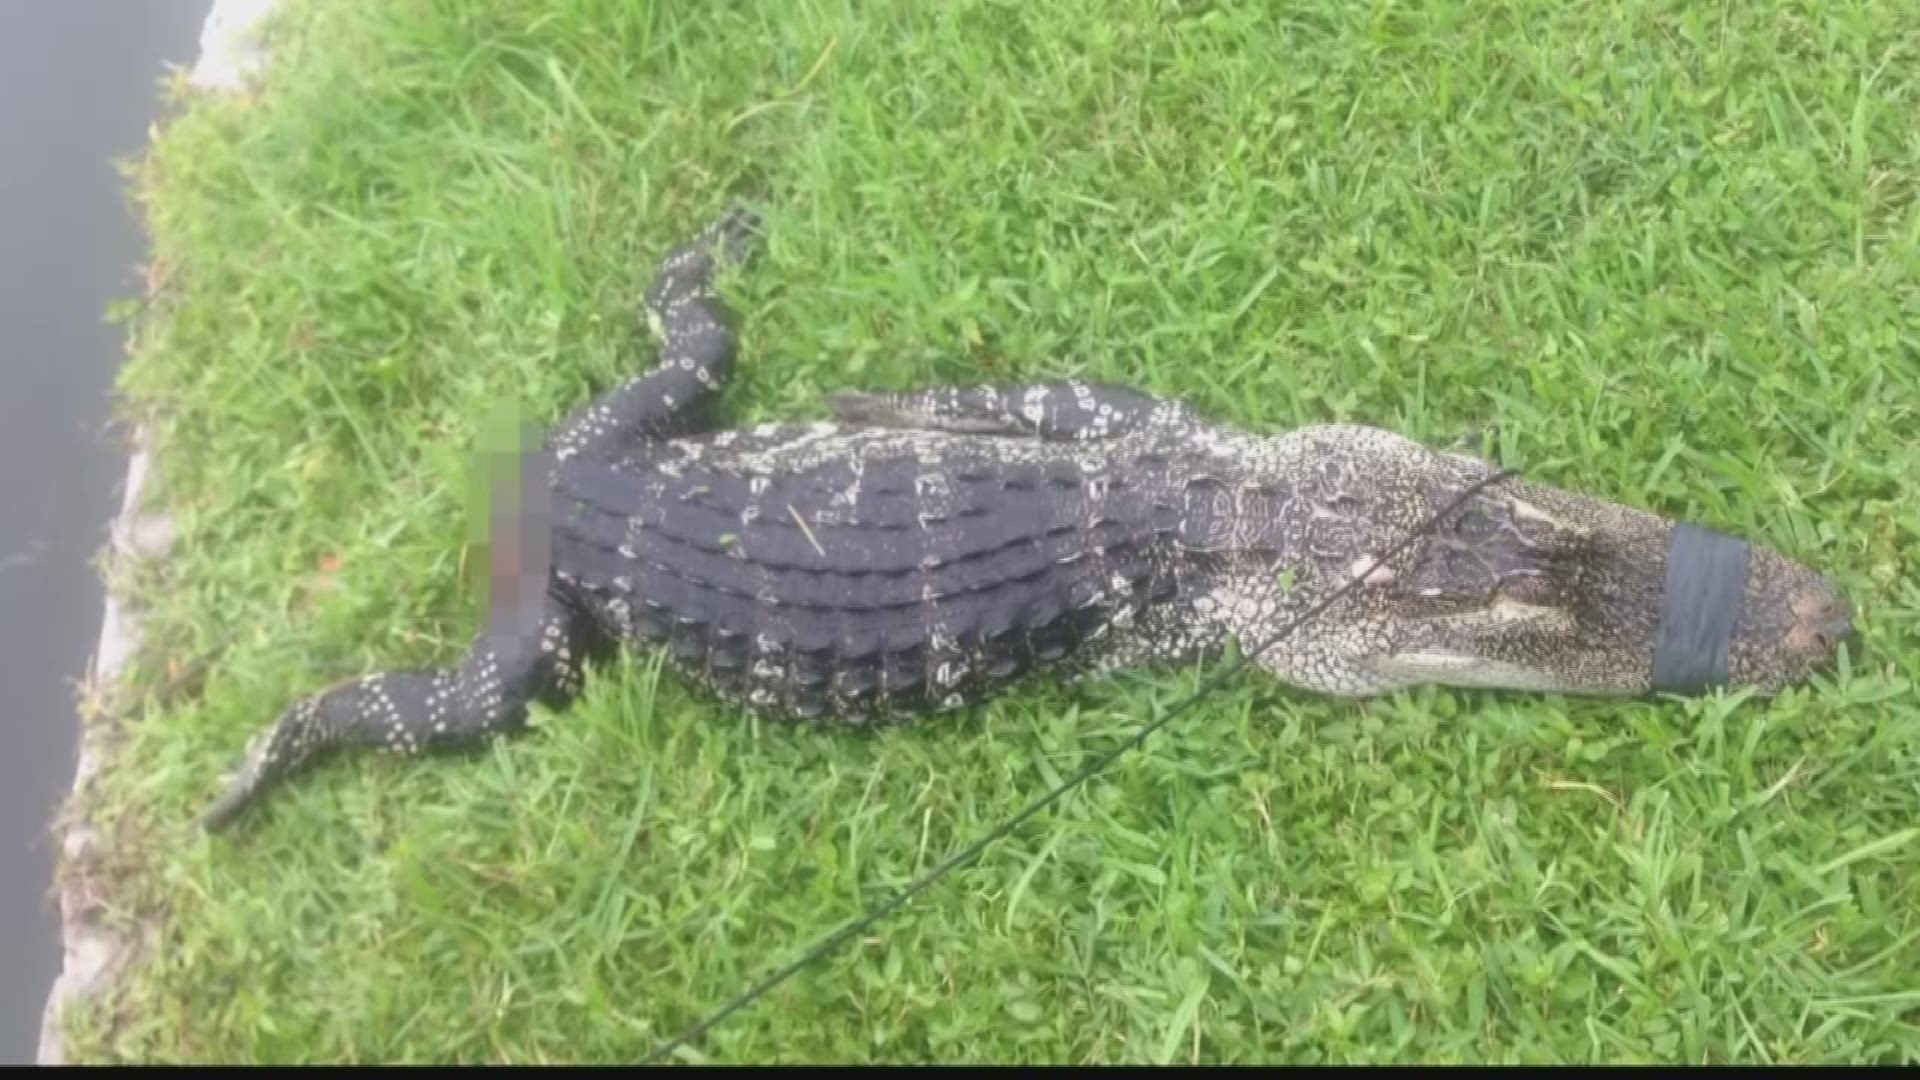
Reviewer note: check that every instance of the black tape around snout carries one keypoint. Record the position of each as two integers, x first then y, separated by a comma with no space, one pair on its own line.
1706,577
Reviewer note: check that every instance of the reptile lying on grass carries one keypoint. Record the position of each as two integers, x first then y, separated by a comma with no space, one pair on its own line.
926,549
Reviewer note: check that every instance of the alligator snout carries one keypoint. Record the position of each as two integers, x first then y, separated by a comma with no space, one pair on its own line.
1822,620
1792,623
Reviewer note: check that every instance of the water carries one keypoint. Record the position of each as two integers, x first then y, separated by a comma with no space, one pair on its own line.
78,89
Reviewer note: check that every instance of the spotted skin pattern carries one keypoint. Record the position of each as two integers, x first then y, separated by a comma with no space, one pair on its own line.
921,550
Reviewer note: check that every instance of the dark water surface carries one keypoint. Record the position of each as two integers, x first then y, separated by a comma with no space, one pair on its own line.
78,87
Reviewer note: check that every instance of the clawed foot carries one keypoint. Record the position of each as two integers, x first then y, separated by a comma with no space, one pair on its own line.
686,274
1475,440
734,234
730,239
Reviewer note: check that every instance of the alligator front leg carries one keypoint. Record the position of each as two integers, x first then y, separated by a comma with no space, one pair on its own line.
507,667
1064,411
696,351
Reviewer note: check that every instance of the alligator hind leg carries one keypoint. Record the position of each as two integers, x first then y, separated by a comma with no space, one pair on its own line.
1067,411
696,350
515,662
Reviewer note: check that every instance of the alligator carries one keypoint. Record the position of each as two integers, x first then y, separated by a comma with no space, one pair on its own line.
922,549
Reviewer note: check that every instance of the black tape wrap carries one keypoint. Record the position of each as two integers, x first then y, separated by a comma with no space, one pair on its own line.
1706,577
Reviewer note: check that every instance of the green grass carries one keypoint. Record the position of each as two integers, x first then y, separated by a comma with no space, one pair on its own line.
1671,249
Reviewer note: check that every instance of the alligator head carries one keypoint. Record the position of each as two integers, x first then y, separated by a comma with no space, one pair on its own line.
1530,587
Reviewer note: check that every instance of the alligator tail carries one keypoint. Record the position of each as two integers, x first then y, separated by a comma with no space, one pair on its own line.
395,711
413,712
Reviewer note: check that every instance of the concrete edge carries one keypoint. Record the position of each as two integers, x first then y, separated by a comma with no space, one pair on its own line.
93,953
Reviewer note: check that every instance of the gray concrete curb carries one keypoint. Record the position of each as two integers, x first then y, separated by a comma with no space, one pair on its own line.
93,953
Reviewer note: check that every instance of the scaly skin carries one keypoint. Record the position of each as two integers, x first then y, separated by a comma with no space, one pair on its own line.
924,549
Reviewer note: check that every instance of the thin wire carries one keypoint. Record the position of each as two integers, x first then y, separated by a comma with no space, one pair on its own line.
971,851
